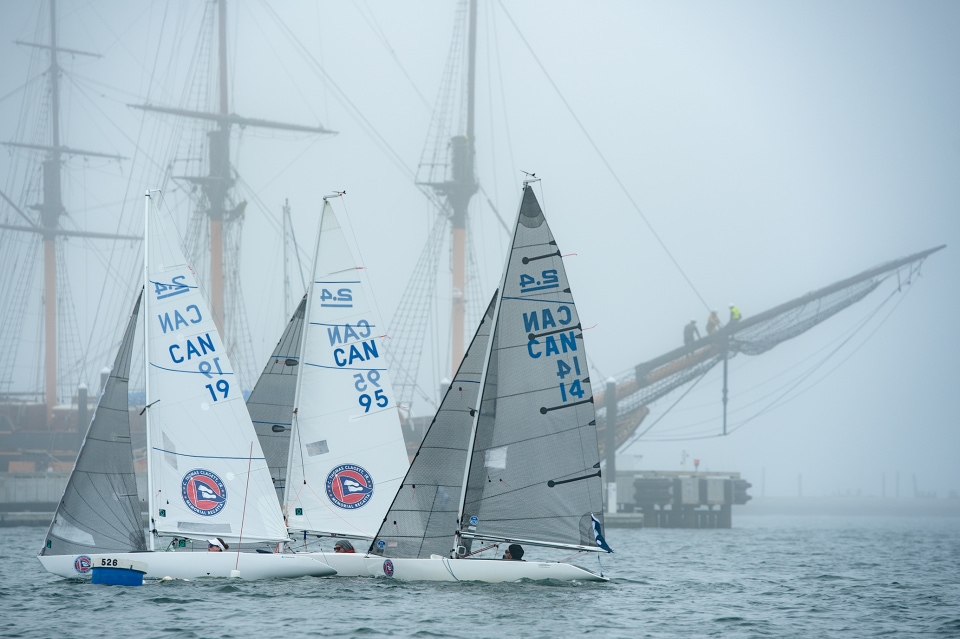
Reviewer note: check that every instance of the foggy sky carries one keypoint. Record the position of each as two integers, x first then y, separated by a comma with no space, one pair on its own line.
775,148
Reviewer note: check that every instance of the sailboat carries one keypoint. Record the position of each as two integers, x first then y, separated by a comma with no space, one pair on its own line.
512,454
347,454
206,476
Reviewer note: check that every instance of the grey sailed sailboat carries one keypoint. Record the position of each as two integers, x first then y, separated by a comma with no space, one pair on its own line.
100,511
512,454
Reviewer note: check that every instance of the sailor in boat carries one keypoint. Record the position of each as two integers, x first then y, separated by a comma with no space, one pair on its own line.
513,553
690,333
217,545
343,546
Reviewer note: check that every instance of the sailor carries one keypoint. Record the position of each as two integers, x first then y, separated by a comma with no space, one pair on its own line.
343,546
690,333
713,323
734,313
217,545
514,552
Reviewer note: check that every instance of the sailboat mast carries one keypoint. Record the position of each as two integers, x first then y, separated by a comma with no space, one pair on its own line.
146,359
220,171
49,216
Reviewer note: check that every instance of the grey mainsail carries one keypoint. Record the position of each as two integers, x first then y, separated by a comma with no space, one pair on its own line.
271,402
424,512
100,510
534,472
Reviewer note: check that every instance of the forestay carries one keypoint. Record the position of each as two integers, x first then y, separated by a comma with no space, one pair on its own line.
424,512
534,472
271,402
200,437
347,453
100,510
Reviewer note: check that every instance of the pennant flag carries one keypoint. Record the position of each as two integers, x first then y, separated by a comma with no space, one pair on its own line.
598,534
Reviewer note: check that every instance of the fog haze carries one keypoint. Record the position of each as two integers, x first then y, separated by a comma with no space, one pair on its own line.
774,148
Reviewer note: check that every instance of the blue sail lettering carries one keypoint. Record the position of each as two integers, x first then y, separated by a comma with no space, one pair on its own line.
531,322
349,332
174,357
192,350
548,319
568,341
355,354
333,334
565,310
530,345
208,343
365,325
552,346
165,322
196,310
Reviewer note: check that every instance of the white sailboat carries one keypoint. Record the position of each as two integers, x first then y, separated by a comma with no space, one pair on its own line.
512,454
207,476
347,454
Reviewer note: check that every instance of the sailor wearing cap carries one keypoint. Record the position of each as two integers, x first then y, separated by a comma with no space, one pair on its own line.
343,546
217,545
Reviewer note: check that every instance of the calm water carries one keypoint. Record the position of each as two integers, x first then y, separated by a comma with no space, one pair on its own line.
770,576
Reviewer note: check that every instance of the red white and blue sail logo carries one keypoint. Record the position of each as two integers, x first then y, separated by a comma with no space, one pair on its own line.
388,568
82,564
203,492
349,486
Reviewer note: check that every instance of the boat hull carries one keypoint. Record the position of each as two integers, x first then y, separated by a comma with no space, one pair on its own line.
346,564
489,570
194,565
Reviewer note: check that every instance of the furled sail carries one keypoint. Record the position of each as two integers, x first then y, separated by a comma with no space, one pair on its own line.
534,472
424,512
100,511
271,402
347,453
207,473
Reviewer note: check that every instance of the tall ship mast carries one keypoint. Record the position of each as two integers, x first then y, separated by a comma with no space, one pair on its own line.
35,216
218,206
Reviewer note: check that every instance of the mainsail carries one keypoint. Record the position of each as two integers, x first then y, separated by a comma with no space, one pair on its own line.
534,469
424,511
347,453
100,511
271,402
207,474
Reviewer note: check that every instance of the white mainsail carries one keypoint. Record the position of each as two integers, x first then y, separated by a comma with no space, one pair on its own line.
207,473
347,453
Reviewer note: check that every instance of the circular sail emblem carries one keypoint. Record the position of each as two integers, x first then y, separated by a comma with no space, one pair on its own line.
349,486
203,492
388,568
82,564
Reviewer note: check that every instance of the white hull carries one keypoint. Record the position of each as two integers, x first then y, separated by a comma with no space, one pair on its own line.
196,565
442,569
346,564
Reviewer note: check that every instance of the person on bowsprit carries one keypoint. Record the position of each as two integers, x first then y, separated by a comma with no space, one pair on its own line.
513,553
734,313
690,333
343,546
217,545
713,323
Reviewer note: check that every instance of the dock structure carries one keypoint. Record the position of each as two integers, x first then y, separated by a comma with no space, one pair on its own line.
681,499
